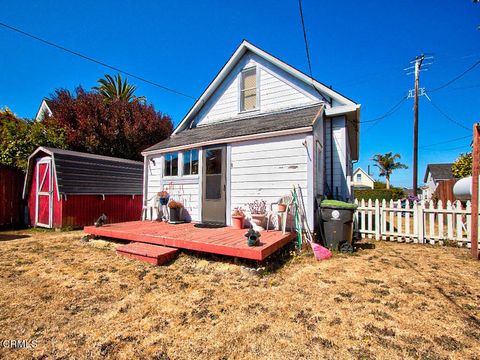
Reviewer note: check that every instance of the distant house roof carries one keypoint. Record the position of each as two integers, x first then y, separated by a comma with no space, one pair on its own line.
439,172
301,117
359,169
45,107
83,173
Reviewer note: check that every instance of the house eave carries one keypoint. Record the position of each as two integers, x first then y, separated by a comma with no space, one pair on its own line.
234,139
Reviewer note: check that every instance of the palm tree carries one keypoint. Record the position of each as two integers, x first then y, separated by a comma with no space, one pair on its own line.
387,163
116,88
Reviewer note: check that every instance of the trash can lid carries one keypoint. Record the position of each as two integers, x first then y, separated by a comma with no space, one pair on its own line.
336,204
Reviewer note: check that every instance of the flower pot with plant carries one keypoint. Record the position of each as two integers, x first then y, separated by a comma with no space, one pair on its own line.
258,210
163,196
238,218
175,208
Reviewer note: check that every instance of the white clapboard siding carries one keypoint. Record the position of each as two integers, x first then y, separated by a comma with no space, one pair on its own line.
423,222
277,90
256,175
188,194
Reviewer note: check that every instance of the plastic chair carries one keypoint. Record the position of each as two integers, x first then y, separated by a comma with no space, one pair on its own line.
286,200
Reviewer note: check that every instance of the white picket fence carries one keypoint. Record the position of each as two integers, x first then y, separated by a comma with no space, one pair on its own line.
423,222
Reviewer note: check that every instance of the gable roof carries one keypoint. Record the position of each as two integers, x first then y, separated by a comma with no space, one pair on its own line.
83,173
266,125
439,172
364,172
232,62
45,105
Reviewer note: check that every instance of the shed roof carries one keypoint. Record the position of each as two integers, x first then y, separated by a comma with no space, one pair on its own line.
83,173
439,172
300,117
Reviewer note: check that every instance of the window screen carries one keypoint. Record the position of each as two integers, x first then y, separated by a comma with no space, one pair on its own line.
248,90
213,171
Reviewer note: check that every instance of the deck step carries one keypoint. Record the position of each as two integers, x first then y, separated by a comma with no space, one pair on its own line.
153,254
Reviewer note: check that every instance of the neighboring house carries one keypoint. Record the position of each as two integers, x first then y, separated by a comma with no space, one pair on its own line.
362,180
433,175
259,128
44,110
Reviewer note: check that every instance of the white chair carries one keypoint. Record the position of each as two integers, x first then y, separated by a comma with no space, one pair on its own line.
153,208
286,200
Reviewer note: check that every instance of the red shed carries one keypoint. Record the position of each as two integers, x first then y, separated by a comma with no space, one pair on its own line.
73,189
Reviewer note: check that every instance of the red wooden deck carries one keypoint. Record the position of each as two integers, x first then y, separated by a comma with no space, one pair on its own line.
223,241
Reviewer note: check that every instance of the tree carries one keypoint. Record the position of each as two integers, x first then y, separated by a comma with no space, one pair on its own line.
117,127
19,138
462,167
387,163
116,88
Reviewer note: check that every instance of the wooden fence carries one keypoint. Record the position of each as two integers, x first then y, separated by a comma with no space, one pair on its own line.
11,204
418,222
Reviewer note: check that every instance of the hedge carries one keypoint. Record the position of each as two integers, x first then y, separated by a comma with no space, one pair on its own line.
380,194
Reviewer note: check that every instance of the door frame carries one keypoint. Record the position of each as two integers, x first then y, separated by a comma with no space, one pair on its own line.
203,177
38,193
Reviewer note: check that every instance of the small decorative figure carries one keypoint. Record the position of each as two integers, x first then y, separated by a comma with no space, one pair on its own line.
253,237
102,220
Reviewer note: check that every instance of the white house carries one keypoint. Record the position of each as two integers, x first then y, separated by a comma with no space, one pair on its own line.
44,110
259,128
435,173
362,180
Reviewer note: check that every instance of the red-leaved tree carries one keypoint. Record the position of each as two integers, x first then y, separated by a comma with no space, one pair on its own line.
114,128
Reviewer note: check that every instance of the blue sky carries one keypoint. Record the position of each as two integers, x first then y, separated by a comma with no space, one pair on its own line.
360,48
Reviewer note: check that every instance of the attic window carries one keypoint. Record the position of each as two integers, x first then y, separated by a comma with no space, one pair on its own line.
248,89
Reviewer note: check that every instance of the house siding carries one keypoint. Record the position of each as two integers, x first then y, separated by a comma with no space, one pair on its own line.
268,169
185,189
276,90
341,158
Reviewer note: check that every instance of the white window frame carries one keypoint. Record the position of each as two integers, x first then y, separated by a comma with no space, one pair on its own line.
183,161
257,89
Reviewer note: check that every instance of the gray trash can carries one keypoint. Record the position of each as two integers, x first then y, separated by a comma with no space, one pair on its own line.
337,222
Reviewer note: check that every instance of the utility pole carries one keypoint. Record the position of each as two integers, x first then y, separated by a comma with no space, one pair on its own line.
418,65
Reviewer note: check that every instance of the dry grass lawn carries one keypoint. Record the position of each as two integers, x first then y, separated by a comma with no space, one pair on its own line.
393,301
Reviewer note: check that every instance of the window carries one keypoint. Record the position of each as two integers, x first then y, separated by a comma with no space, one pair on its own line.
213,173
171,164
248,89
359,177
190,162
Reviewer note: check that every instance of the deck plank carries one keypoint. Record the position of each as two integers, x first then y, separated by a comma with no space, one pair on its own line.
222,241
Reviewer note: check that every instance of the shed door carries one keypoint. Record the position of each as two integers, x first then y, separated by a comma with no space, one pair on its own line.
213,188
44,203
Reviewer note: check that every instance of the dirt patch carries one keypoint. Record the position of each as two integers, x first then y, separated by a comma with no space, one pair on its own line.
79,300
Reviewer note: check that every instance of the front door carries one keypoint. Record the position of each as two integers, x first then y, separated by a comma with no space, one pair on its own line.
44,203
213,187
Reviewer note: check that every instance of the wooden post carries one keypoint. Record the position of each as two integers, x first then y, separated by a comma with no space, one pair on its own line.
475,173
377,221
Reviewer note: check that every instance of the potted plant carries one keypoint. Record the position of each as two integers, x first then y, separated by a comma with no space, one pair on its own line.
163,197
258,210
175,208
238,218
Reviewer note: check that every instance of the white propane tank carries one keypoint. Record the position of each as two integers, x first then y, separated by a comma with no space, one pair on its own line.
463,189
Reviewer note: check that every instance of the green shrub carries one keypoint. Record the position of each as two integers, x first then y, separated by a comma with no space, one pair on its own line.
380,194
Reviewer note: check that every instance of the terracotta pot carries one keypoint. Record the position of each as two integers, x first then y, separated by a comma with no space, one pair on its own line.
238,222
282,207
258,220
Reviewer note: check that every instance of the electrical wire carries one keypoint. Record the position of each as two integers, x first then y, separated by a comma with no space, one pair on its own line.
454,148
446,141
456,77
448,117
390,112
96,61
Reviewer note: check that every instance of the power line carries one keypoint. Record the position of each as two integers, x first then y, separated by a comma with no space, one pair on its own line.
454,148
388,113
96,61
448,116
446,142
305,38
456,77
